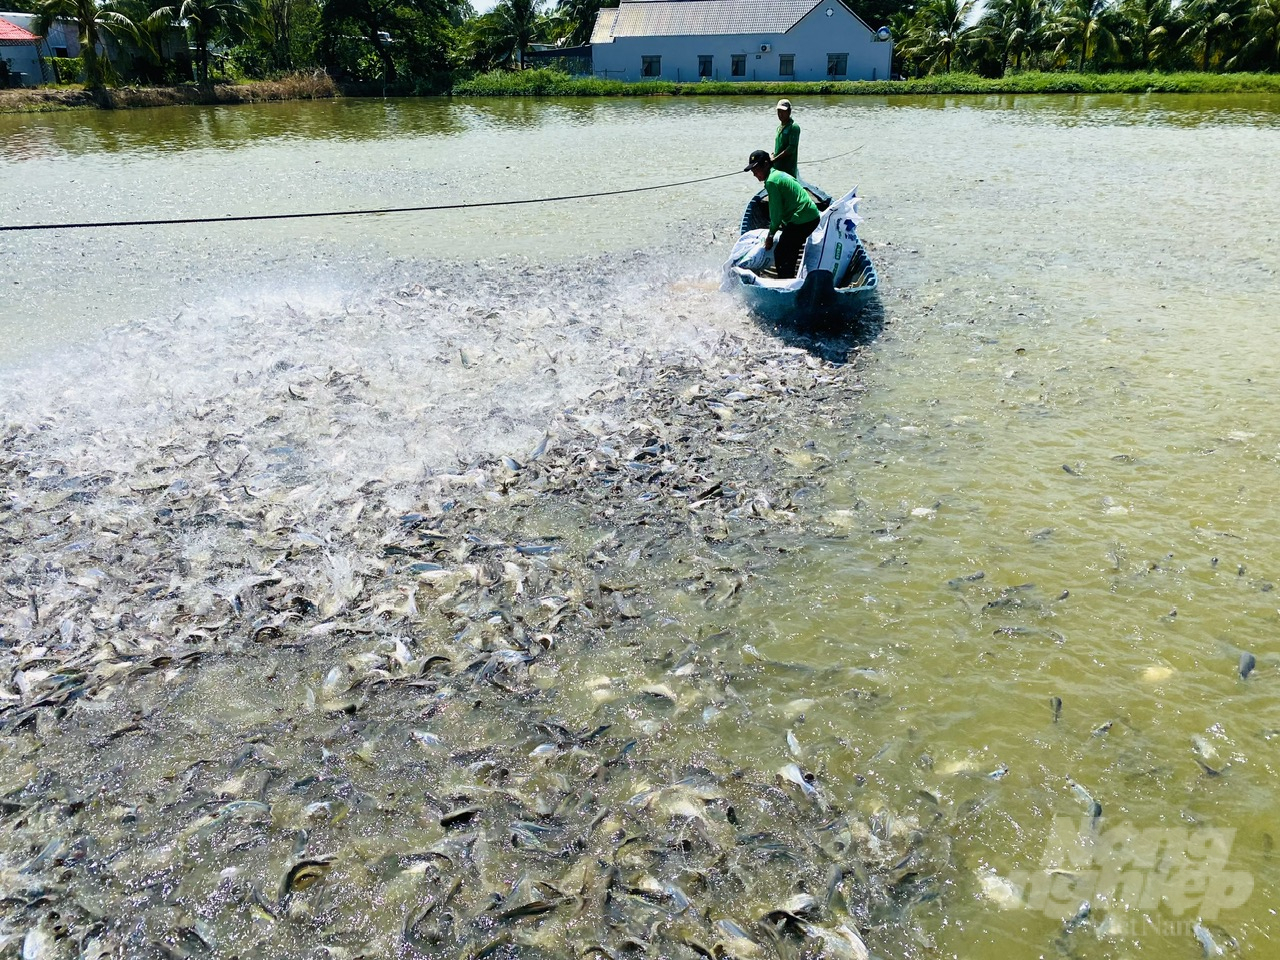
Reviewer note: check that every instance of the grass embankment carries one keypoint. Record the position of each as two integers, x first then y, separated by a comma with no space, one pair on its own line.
551,83
301,86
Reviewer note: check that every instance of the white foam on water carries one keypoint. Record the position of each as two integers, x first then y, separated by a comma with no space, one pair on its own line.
337,387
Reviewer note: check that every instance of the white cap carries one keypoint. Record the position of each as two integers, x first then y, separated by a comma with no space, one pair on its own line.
784,105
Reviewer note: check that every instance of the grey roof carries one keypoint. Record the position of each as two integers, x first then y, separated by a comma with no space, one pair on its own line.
602,32
686,18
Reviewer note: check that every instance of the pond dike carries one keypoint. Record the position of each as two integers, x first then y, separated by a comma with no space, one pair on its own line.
393,740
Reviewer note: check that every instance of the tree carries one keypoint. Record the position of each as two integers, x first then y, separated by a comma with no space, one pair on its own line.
203,18
1262,48
407,44
518,23
946,31
1209,25
1016,28
1091,26
575,19
1148,23
93,18
280,34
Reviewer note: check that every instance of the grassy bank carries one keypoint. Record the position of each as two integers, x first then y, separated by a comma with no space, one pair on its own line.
553,83
317,86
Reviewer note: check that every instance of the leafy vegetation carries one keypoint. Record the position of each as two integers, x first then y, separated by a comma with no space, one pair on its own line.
66,69
438,46
552,83
1088,36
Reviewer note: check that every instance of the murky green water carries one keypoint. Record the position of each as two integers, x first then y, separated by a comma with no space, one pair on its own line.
1071,399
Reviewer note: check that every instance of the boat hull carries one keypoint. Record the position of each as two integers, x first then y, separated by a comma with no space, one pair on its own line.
822,299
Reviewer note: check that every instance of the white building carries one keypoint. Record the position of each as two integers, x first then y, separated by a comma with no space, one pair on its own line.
686,40
22,50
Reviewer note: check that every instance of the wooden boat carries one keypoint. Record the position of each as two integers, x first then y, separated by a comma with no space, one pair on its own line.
822,298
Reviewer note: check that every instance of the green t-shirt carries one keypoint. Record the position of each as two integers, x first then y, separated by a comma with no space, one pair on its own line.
789,203
787,138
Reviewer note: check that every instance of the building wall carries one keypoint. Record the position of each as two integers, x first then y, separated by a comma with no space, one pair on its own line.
25,58
809,41
22,59
61,34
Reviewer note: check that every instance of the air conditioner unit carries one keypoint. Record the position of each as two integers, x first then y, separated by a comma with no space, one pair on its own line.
765,48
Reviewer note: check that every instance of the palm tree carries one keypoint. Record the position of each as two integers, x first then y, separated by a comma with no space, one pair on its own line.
1092,25
1263,46
576,19
1209,25
947,29
203,17
518,23
93,18
1015,27
1150,22
271,24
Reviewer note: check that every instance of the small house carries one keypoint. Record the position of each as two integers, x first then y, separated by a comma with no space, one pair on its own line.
690,40
20,64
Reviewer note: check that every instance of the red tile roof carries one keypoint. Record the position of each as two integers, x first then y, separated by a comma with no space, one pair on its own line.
12,33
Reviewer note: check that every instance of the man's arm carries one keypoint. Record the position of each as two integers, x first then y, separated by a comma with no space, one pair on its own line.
790,141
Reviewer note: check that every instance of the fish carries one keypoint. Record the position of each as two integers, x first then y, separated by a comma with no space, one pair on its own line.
733,941
793,745
1055,704
304,874
1247,662
840,943
1092,806
1209,945
792,774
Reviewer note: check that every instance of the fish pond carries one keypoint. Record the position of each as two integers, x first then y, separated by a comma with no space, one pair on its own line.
487,583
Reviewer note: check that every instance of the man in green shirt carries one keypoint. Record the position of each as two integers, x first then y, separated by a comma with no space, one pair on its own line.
786,142
790,208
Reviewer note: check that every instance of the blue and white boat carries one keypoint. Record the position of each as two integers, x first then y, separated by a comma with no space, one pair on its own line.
835,279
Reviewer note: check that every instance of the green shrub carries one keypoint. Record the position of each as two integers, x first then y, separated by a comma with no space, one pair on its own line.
553,83
67,69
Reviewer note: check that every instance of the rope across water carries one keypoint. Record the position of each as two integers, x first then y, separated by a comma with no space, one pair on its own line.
380,211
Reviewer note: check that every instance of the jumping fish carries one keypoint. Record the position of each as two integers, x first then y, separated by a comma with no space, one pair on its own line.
1093,807
1247,662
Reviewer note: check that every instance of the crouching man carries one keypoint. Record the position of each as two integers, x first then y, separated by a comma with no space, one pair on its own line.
790,208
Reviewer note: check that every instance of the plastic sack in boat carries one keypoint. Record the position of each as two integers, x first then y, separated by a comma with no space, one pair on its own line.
748,255
832,245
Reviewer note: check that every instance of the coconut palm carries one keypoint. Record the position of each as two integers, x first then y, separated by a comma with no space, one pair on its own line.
93,18
575,19
1015,27
1090,25
1150,24
940,31
271,24
203,18
518,23
1210,26
1262,49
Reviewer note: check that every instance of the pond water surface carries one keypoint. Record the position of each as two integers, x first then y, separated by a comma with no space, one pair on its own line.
1048,526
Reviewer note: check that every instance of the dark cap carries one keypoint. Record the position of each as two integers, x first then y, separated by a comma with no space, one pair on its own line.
758,159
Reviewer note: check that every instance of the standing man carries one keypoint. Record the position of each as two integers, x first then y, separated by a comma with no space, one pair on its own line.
786,142
790,207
